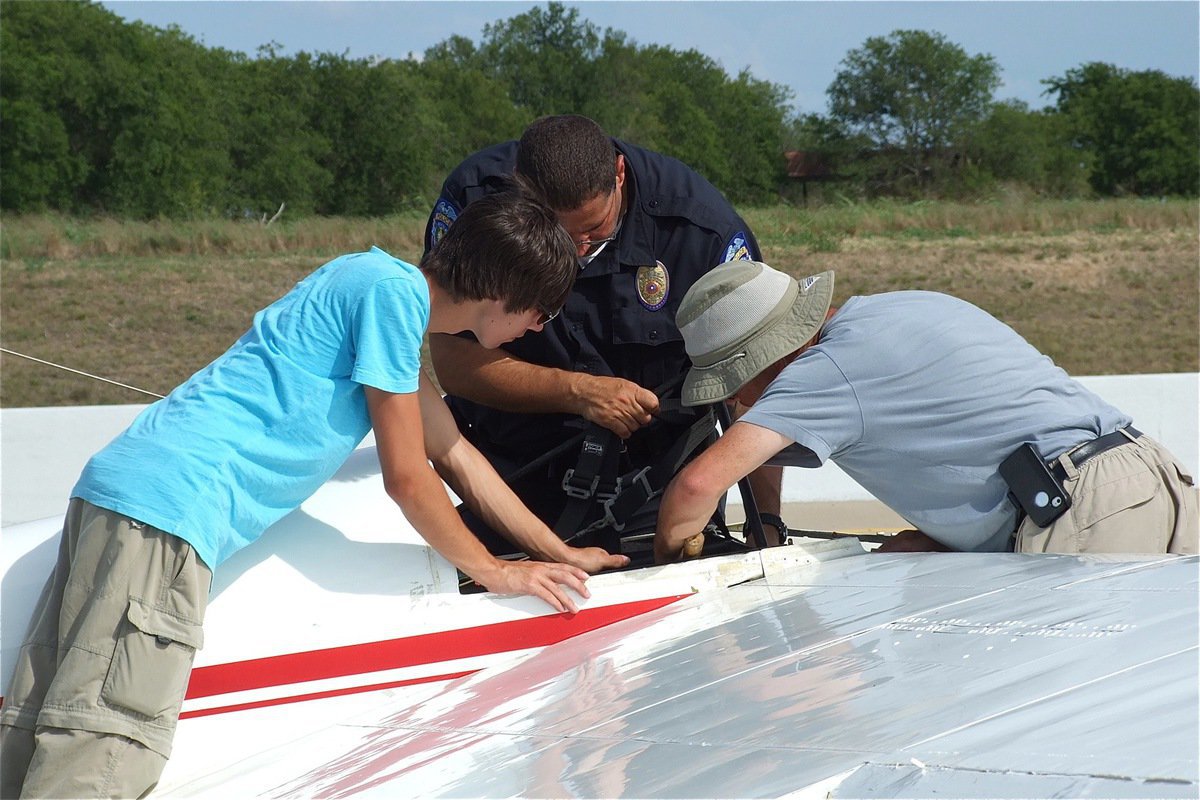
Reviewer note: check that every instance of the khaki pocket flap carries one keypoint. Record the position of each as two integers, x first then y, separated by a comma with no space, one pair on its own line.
157,622
1114,497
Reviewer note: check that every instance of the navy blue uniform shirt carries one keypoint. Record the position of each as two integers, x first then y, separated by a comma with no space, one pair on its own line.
675,220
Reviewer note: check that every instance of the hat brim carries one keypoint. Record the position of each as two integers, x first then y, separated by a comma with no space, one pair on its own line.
704,385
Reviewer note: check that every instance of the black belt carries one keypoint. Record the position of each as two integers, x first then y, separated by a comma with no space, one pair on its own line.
1089,450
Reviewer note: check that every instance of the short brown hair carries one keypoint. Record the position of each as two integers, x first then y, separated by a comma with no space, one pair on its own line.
566,160
507,247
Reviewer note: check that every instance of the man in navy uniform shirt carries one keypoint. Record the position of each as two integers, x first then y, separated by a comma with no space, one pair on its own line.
646,227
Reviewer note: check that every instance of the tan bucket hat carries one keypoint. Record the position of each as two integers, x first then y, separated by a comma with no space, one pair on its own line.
741,318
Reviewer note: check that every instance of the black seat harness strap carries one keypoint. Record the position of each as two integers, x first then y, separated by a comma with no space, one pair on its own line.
635,489
594,477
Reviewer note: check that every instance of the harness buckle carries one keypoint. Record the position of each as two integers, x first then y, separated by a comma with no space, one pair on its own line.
640,478
637,480
581,492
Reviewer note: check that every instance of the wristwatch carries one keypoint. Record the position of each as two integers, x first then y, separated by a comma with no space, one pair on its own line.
776,522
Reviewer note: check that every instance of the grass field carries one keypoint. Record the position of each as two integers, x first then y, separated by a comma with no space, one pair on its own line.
1104,287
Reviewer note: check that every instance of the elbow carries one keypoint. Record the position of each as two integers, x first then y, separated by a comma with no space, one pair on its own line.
403,489
692,486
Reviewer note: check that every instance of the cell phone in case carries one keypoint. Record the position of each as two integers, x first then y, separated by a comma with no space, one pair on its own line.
1035,488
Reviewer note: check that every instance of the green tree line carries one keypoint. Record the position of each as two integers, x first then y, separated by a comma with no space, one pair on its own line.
99,115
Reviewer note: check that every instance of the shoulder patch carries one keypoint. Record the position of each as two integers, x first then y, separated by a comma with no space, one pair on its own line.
444,214
738,249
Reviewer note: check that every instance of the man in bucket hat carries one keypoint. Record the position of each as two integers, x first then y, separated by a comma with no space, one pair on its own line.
934,406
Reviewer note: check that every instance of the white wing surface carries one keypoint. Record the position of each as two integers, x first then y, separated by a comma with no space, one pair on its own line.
908,675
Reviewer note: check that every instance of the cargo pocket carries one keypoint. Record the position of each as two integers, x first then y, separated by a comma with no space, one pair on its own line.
1115,497
1123,516
150,667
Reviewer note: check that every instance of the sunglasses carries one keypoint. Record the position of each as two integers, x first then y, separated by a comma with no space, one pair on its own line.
545,317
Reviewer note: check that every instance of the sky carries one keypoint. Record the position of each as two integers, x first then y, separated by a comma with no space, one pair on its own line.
796,44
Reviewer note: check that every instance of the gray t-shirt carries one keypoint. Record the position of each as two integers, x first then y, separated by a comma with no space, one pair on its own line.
919,396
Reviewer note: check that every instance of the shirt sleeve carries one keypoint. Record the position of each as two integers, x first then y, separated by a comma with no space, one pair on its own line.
813,404
388,327
740,245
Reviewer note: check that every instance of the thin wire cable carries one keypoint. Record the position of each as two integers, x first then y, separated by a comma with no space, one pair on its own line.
79,372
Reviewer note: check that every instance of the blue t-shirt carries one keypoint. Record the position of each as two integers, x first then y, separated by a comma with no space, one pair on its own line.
919,396
249,437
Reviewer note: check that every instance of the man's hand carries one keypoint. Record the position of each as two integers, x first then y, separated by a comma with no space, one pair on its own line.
536,578
911,542
619,405
594,559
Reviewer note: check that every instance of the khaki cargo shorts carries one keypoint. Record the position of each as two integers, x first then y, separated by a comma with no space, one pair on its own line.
1135,498
113,636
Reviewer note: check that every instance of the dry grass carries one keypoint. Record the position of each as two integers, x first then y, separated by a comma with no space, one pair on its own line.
72,239
1104,288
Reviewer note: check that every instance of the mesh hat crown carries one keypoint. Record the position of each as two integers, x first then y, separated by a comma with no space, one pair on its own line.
742,317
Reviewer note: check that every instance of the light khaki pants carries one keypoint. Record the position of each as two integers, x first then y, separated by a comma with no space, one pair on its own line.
1135,498
100,679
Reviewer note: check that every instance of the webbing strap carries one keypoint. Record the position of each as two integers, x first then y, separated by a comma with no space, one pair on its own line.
594,477
597,464
637,488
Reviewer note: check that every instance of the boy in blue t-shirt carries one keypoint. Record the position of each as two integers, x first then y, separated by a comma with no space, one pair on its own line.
204,471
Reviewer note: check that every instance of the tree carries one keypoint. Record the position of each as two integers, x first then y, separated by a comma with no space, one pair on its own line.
1032,148
105,116
914,95
1142,128
383,132
169,145
681,103
278,155
472,106
99,114
545,57
48,97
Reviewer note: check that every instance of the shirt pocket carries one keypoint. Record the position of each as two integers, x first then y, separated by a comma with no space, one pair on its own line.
638,325
152,661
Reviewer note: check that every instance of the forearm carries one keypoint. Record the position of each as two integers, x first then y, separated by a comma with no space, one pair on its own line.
475,480
766,482
402,441
497,379
693,495
684,512
423,500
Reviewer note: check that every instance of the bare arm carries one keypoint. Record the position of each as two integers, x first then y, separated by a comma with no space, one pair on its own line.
497,379
693,495
412,483
474,479
766,482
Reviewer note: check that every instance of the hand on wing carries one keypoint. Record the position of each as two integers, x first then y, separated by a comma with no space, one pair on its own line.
911,542
619,405
595,559
547,580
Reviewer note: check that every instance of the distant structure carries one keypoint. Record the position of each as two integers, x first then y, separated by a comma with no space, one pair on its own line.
806,166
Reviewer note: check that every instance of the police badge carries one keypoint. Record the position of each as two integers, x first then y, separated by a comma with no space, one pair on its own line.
652,286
